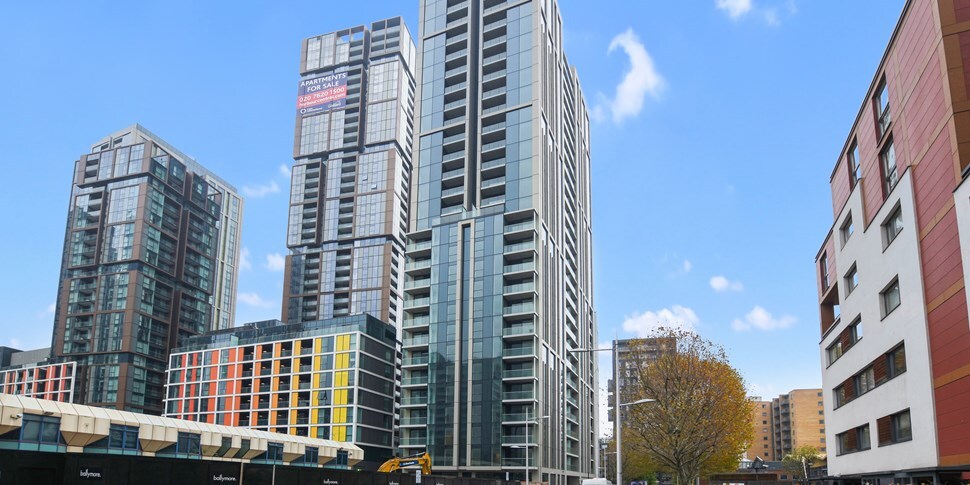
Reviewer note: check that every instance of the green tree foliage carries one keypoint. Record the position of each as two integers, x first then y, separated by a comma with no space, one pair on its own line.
800,460
700,423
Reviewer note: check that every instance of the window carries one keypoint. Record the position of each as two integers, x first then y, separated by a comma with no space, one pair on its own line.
892,226
123,437
839,394
834,351
890,297
40,429
897,361
847,229
189,444
856,439
863,437
902,429
274,452
341,458
865,381
888,158
824,270
851,280
855,168
312,456
881,100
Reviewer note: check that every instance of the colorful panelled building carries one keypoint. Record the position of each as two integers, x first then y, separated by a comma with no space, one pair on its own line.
54,382
330,379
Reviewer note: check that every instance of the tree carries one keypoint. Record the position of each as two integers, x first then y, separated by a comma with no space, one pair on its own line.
800,460
700,423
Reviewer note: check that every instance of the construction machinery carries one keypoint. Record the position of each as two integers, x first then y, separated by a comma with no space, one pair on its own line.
421,460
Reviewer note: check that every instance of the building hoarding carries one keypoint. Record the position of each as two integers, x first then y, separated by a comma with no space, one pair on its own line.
322,93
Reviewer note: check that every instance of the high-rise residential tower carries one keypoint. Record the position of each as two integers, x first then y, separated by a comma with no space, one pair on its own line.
498,277
349,190
892,270
145,263
797,420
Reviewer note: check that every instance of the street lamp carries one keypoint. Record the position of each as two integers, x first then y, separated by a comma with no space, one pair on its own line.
526,445
619,430
616,416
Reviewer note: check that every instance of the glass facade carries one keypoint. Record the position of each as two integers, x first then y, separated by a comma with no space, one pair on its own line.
498,274
145,266
349,187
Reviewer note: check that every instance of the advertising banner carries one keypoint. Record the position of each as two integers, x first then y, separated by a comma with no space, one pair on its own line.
322,93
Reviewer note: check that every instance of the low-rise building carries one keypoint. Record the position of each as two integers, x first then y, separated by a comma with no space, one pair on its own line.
31,373
329,379
92,436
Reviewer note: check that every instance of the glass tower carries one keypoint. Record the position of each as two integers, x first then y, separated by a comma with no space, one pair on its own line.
144,261
349,189
498,286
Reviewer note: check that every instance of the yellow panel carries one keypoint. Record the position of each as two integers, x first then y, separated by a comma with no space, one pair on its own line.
317,363
317,345
314,415
342,361
343,343
340,396
339,433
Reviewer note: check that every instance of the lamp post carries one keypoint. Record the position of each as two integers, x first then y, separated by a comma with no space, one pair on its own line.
526,445
616,395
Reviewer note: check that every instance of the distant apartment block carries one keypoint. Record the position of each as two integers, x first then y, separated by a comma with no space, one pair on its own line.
648,350
330,379
149,260
798,419
31,374
349,191
892,268
762,443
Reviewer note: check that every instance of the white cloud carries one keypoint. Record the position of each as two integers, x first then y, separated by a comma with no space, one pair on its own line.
275,262
16,343
688,266
245,262
721,284
734,8
641,79
759,318
643,324
253,299
261,190
285,171
771,17
47,312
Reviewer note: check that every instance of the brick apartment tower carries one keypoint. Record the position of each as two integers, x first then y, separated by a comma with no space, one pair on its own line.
761,445
349,189
141,266
797,419
891,271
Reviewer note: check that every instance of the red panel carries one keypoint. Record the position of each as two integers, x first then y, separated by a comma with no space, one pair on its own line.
840,187
962,10
951,414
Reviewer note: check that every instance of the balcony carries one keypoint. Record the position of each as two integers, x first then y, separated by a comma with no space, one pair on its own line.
518,330
417,341
418,265
415,361
529,246
414,381
414,401
415,421
528,266
518,373
513,352
414,442
526,287
416,322
526,307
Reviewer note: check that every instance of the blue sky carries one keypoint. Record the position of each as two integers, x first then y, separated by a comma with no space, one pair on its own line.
718,124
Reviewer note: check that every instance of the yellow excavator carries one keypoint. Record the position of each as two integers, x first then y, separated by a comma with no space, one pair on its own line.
422,460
